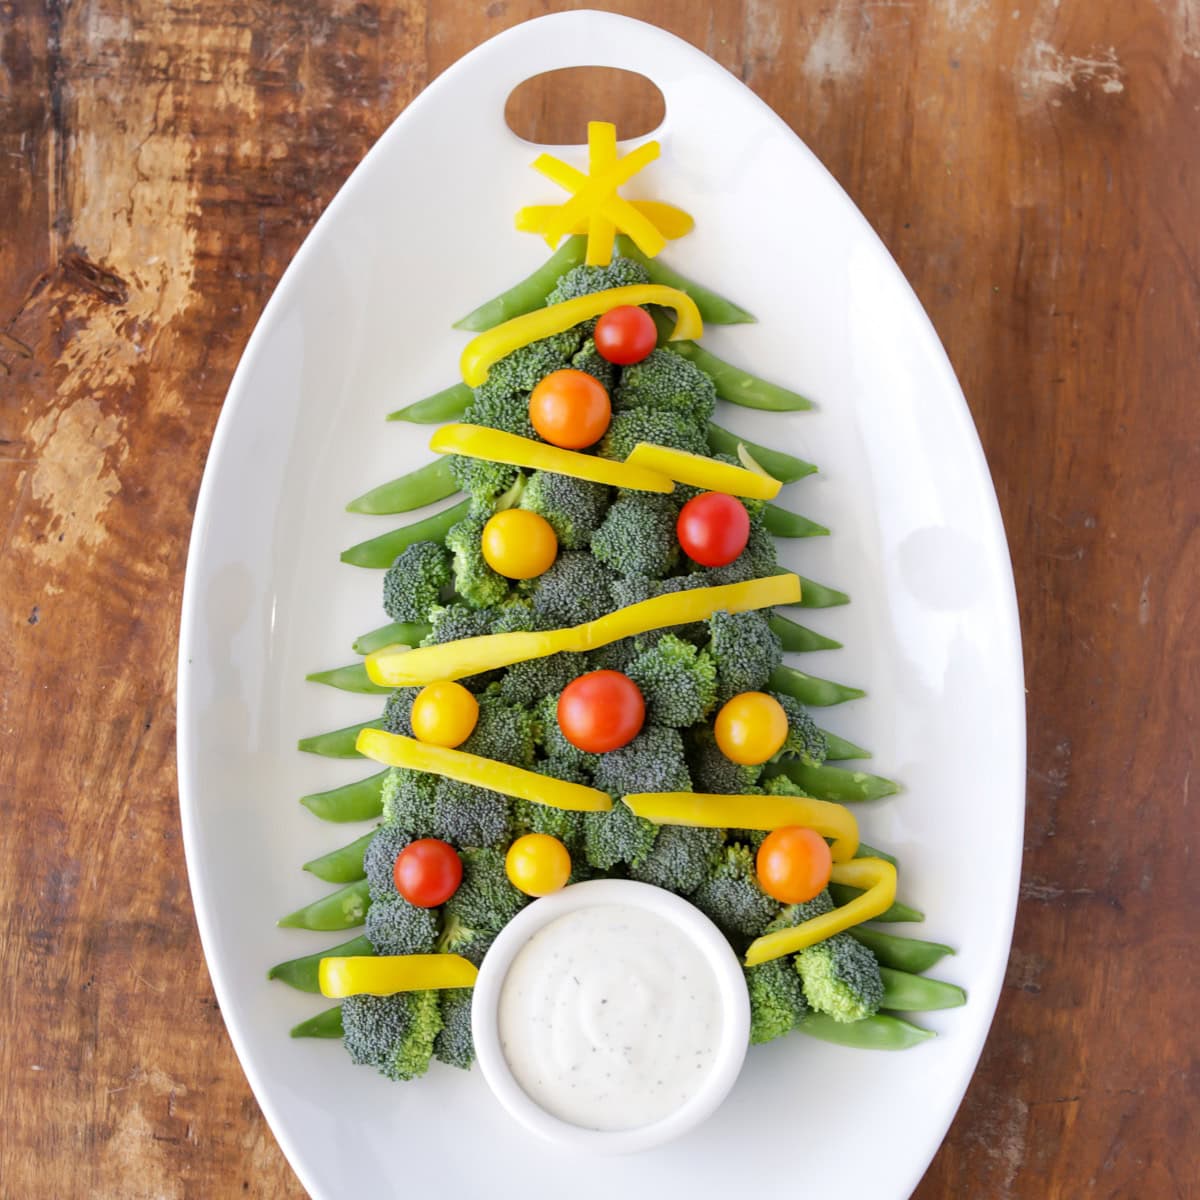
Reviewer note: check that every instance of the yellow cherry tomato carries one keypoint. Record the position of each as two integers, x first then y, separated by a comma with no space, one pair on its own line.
751,727
444,714
537,864
519,544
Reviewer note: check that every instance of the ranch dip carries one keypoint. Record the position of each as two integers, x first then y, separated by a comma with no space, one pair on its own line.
610,1017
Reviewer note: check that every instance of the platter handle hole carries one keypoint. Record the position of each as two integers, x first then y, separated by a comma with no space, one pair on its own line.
554,108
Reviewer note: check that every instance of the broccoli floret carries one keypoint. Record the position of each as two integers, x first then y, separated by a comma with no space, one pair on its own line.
731,896
777,1002
665,380
659,426
554,742
498,406
637,537
561,823
396,927
680,859
782,785
573,507
408,800
792,915
394,1034
514,616
454,1045
414,583
652,762
503,732
459,938
746,650
379,860
678,682
756,561
450,622
485,901
616,656
474,580
527,366
590,360
397,712
841,978
633,589
583,280
804,740
618,836
572,591
464,815
712,772
525,683
483,481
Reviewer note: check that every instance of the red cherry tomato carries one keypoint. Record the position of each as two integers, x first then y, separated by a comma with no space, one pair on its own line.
570,408
625,335
427,872
793,864
601,711
713,528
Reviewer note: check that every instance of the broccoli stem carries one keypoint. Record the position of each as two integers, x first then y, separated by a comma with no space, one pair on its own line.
327,1024
398,633
786,524
811,690
899,913
302,973
784,467
530,293
906,992
871,1033
714,309
353,678
447,405
839,749
339,743
817,595
796,639
900,953
838,784
343,909
359,801
425,485
380,552
344,865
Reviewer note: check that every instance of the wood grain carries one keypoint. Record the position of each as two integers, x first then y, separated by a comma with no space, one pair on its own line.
1034,169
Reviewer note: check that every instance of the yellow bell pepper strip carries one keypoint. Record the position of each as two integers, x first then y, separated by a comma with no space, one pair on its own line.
877,876
751,812
602,156
478,441
701,472
670,221
468,656
394,750
383,975
491,346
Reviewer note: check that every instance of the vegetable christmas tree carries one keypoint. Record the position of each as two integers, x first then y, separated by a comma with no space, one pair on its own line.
620,565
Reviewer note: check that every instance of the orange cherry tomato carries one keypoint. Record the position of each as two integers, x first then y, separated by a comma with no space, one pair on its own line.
793,864
570,408
625,335
427,872
601,711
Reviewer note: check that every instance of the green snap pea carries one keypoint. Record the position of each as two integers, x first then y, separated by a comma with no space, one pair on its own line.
344,865
899,913
425,485
353,678
871,1033
817,595
797,639
839,784
781,523
398,633
906,992
714,309
840,749
380,552
784,467
811,690
530,293
900,953
339,743
327,1024
447,405
865,851
301,973
343,909
738,386
358,801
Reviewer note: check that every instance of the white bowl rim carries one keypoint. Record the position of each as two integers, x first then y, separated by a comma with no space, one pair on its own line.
704,935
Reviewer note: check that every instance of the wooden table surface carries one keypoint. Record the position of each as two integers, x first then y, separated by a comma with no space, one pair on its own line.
1033,167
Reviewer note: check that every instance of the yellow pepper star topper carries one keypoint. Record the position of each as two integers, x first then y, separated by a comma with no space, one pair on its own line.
595,208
